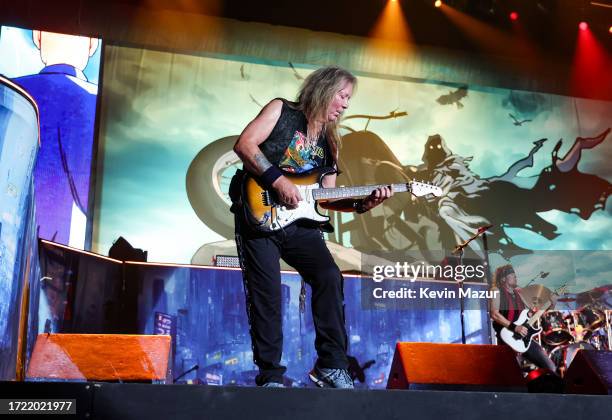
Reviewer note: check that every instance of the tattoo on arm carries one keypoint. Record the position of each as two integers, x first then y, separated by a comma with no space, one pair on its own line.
261,162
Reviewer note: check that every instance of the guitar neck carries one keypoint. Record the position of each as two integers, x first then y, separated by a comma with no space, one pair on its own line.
534,318
359,191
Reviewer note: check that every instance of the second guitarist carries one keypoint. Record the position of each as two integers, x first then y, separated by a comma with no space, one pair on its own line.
505,309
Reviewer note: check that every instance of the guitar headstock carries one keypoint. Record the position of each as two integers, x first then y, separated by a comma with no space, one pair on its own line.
420,189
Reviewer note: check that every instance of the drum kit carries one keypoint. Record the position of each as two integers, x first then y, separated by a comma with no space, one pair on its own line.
565,332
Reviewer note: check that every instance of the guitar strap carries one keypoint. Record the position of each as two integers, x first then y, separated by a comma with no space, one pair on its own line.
235,193
235,190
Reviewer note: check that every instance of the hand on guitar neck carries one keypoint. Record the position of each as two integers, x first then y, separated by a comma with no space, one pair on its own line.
377,197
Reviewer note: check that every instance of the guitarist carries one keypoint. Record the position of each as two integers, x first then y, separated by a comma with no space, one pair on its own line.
506,307
296,136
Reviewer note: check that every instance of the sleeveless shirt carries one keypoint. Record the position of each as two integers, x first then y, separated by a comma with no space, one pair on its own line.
286,146
510,306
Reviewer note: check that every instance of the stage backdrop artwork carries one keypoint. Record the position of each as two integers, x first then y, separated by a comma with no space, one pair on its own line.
61,73
534,165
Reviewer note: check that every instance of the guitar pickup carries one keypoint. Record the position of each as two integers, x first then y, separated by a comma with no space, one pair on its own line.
266,198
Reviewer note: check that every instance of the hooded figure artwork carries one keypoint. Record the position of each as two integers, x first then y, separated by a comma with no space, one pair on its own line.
470,201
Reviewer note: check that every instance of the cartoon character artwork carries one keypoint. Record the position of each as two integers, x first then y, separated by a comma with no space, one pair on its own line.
67,104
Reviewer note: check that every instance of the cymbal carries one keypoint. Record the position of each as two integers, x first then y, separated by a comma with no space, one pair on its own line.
593,295
536,294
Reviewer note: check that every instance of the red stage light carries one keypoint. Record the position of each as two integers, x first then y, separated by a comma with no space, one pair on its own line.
514,16
590,69
438,3
583,26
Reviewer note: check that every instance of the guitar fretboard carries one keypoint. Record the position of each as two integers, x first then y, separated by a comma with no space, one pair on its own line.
359,191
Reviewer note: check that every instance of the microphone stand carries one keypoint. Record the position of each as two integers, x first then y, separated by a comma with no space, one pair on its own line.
194,367
485,245
459,252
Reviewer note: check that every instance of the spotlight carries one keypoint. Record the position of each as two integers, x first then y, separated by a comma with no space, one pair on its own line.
438,3
583,26
514,16
610,29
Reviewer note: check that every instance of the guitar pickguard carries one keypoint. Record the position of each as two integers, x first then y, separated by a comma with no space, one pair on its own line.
307,209
517,342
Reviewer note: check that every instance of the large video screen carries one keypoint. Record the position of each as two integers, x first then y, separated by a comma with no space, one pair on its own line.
61,73
532,164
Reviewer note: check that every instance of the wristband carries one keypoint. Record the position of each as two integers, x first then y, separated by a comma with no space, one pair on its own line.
270,175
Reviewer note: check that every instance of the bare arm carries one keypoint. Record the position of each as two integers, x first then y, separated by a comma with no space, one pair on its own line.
255,133
247,149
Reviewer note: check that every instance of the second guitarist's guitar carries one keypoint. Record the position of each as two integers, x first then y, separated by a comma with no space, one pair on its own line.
519,343
267,214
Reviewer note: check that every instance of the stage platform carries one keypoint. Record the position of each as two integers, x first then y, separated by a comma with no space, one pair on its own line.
176,402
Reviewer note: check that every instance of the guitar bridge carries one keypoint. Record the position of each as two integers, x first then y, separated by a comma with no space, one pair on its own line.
266,198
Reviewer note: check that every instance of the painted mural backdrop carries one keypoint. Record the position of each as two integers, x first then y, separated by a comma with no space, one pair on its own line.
61,73
534,165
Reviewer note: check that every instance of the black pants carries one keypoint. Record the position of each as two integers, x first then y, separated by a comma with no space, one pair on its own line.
535,354
304,249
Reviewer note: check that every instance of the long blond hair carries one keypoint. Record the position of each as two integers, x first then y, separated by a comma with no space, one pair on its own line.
316,94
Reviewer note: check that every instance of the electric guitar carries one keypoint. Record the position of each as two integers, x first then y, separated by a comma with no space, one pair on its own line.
267,214
516,341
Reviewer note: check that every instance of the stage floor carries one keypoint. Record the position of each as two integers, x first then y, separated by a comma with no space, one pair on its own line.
152,402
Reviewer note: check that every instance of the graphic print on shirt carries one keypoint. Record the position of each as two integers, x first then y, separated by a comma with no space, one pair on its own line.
301,156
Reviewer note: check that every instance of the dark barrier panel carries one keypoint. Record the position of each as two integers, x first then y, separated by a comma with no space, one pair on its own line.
80,292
